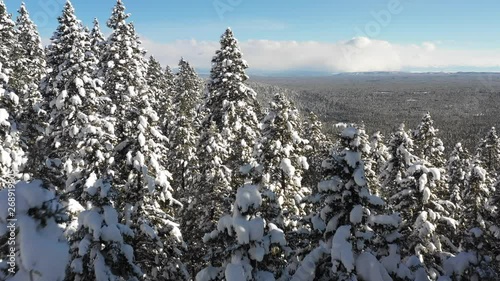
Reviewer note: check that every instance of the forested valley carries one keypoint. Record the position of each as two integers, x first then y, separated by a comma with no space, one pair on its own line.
114,167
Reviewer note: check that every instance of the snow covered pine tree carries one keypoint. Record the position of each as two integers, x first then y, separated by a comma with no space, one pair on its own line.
141,179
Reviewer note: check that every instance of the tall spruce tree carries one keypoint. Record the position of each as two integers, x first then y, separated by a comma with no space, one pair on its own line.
8,35
184,137
427,145
141,179
12,158
476,222
232,105
100,245
28,59
74,144
379,155
211,196
428,224
458,164
488,152
169,77
401,156
161,91
351,217
244,246
281,154
97,40
316,150
29,68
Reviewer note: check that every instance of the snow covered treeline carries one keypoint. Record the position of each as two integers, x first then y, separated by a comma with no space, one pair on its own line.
122,169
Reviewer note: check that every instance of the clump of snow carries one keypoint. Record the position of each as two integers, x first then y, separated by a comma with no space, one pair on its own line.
359,176
370,269
276,235
353,158
393,220
248,230
457,265
34,237
247,197
4,117
307,268
287,167
264,276
208,274
356,215
332,184
341,250
349,132
303,162
235,272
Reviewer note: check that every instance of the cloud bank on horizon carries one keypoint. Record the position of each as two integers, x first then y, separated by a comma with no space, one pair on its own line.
360,54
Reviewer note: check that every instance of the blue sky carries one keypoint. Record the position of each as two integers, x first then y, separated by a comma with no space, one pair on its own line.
459,27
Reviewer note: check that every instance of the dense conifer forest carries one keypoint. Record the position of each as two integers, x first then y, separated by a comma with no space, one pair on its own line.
114,167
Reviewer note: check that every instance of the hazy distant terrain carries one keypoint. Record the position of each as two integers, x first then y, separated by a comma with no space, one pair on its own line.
463,105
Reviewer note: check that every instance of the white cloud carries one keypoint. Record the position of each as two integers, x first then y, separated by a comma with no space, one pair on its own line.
355,55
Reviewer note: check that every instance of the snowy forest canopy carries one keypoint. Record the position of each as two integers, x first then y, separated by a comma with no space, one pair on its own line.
113,167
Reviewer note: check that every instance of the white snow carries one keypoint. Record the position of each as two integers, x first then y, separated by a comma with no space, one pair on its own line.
459,264
235,272
276,235
208,274
348,132
359,176
476,231
264,276
307,268
4,117
353,158
393,220
92,220
33,238
318,223
370,269
426,195
303,162
356,215
257,253
287,167
148,230
342,249
422,182
111,233
247,197
332,184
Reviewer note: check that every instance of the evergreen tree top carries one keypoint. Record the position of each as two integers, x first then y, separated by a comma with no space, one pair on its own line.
168,70
154,69
69,43
169,75
96,30
68,24
425,129
118,16
400,137
22,10
6,22
187,77
492,136
7,34
3,9
156,80
26,26
228,66
68,11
